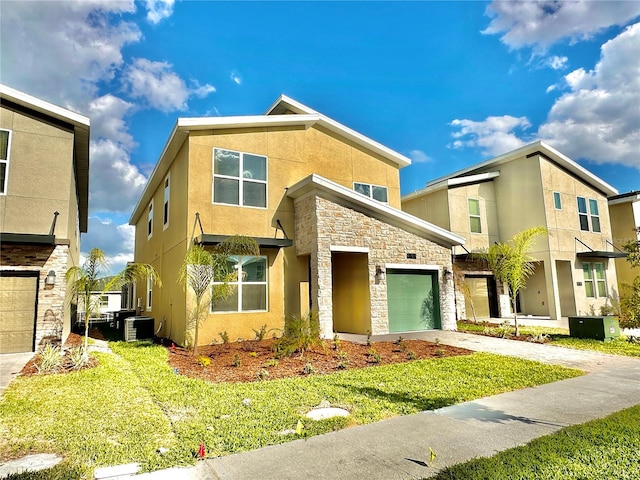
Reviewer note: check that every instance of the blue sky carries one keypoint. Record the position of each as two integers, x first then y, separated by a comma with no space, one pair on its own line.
448,84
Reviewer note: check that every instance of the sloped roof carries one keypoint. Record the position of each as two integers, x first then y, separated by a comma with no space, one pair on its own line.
381,211
283,112
483,169
81,127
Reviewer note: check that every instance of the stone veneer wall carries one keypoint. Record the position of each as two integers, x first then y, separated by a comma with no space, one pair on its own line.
321,224
52,320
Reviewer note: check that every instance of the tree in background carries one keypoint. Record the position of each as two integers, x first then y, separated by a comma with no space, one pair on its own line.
630,298
511,264
84,281
201,267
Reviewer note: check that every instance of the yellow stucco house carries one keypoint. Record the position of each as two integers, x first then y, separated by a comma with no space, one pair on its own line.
575,272
624,210
322,201
44,192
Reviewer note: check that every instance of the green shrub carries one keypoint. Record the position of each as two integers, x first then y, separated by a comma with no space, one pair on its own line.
300,334
504,330
308,369
78,358
411,355
50,359
272,362
630,304
236,360
224,336
374,356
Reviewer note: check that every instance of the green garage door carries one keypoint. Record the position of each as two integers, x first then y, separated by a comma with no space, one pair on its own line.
17,312
413,300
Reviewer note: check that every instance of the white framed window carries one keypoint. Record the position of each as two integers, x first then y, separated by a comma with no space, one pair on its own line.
589,218
595,282
377,192
249,290
149,293
104,301
150,220
239,178
165,204
557,201
475,222
5,149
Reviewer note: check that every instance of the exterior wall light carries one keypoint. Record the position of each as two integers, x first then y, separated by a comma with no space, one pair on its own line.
379,274
50,278
447,274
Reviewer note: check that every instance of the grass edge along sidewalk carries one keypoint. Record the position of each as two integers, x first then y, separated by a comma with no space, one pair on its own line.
133,406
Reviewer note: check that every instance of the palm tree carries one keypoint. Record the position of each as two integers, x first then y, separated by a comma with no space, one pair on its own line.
201,267
84,281
511,264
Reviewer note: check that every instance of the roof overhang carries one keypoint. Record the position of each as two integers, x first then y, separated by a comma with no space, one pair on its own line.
315,184
630,197
263,242
81,128
601,254
452,183
536,148
26,239
303,117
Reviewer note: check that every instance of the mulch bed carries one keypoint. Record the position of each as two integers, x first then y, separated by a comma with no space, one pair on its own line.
73,340
520,338
246,361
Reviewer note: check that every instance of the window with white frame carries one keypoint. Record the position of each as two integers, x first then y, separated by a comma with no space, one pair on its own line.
475,223
557,201
239,178
149,293
249,288
376,192
589,218
165,205
150,220
595,283
104,301
5,147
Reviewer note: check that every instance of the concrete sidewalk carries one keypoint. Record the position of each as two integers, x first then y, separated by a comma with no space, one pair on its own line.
399,448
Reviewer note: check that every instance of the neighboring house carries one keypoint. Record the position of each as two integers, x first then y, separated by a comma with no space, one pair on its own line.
533,185
624,211
44,191
108,301
323,203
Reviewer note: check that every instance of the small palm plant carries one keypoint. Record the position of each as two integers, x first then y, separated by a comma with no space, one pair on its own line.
83,281
511,264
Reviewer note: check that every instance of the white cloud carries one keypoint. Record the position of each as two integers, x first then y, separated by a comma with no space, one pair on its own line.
160,86
115,183
599,118
494,135
115,240
107,119
541,23
556,63
418,156
158,10
235,78
73,45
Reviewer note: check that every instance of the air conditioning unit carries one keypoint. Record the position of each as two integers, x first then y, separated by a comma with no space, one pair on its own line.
138,328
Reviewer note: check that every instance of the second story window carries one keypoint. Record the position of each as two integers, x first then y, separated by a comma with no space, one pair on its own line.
165,206
557,201
474,215
372,191
5,137
150,220
239,178
590,216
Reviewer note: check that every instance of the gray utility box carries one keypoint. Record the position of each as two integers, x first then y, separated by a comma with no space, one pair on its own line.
599,328
138,328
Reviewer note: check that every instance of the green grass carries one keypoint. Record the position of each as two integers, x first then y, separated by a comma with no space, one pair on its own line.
133,403
560,337
607,448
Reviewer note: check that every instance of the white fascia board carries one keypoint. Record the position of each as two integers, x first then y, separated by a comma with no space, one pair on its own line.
376,209
46,108
628,198
246,121
293,105
451,182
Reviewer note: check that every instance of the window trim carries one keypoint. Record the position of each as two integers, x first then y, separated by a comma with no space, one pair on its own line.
588,214
557,200
593,201
593,279
6,162
241,180
371,185
165,204
150,212
473,215
239,286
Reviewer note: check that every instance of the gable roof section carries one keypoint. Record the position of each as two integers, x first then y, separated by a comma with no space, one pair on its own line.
381,211
81,128
483,170
278,115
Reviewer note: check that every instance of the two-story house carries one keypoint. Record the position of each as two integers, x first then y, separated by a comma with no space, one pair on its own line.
535,185
44,193
624,210
323,203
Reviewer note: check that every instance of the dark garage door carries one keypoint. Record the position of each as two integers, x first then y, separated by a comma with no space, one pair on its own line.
17,311
413,300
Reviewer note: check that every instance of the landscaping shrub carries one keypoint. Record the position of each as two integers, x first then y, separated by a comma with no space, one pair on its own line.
301,332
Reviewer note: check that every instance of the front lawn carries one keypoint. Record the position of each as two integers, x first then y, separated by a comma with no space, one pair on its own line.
607,448
133,406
